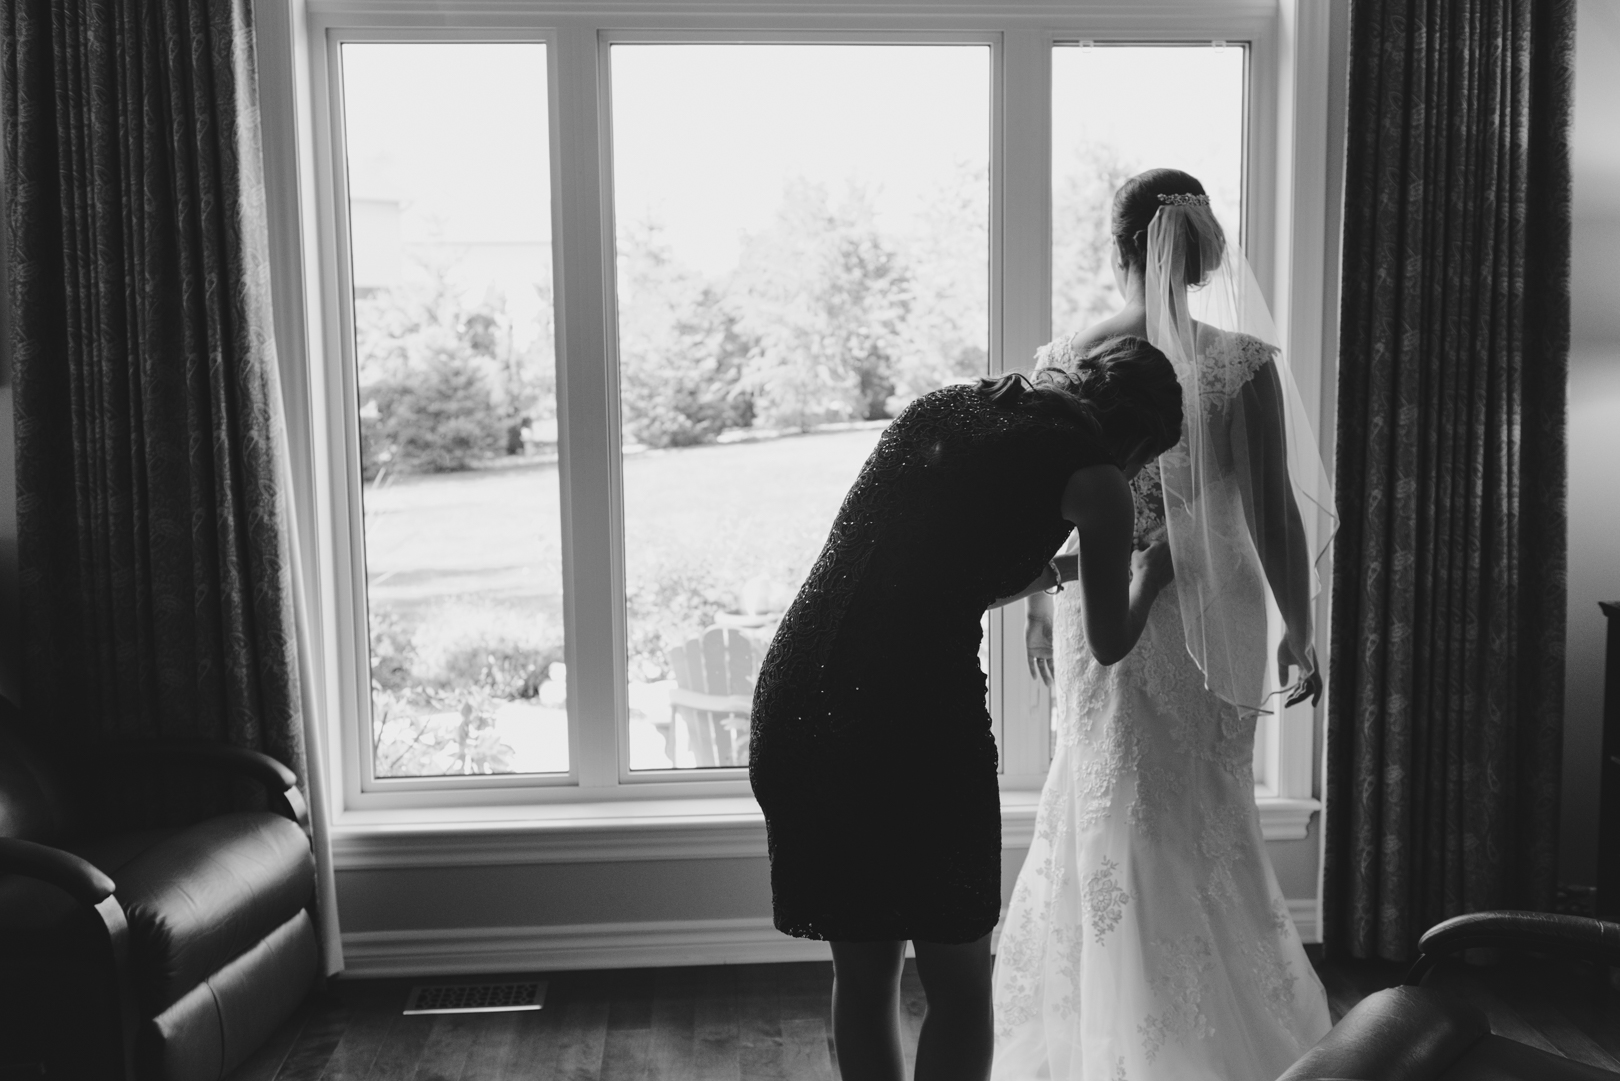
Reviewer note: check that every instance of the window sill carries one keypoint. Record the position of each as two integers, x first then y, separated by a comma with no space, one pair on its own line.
629,831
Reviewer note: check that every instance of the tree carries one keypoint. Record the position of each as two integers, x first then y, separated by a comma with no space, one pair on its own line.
1083,289
440,419
823,297
429,379
947,331
681,353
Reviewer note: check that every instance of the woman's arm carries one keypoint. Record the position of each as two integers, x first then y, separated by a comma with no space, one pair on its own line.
1117,585
1043,582
1064,567
1279,529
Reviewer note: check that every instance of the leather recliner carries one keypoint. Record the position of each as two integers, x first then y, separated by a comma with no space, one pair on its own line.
166,953
1417,1033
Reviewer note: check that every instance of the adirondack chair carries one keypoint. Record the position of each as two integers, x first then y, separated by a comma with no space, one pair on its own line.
714,689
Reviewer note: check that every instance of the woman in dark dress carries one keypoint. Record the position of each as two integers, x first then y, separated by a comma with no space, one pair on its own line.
871,750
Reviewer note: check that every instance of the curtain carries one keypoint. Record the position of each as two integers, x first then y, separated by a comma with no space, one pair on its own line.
1445,709
154,538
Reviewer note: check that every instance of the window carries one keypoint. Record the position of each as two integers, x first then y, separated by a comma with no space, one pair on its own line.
795,264
611,318
449,241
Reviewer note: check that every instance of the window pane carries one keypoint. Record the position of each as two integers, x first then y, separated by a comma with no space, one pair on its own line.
450,233
1120,109
803,247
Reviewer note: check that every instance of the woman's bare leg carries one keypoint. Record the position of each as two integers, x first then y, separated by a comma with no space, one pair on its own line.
958,1033
866,1010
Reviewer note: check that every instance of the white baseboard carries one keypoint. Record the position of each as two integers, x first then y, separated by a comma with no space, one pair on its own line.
660,944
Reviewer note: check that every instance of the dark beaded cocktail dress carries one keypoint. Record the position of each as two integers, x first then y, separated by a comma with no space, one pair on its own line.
871,750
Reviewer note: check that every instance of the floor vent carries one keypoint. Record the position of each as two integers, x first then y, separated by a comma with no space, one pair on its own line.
476,997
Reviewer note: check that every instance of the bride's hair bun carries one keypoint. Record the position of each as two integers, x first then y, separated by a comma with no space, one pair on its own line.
1140,197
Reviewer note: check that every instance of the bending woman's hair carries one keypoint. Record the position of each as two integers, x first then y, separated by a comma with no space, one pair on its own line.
1122,390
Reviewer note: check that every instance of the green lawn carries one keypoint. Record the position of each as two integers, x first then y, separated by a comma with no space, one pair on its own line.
472,561
495,533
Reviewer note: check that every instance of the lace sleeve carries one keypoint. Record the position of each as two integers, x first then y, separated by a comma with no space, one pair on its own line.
1057,353
1230,362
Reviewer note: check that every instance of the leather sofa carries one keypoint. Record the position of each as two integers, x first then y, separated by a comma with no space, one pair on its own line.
130,949
1417,1033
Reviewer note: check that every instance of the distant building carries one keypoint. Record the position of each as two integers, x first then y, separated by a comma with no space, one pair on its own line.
376,245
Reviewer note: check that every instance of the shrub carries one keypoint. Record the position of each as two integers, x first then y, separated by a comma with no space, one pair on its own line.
440,419
667,604
428,732
507,670
437,681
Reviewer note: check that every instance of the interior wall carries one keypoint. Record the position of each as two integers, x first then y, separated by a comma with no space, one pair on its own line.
1594,422
570,894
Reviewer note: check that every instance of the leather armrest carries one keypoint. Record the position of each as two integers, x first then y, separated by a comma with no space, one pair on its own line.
1400,1034
88,885
279,782
80,878
1579,937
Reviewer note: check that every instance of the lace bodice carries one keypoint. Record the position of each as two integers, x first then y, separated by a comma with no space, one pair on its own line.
1149,499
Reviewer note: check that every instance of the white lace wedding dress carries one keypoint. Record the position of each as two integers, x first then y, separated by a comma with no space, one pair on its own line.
1147,937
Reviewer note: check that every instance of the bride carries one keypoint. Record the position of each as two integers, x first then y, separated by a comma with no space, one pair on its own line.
1147,937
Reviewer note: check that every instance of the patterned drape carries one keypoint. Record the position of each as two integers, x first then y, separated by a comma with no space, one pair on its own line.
154,548
1446,708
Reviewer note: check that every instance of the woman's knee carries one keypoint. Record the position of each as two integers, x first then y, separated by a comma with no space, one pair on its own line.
868,968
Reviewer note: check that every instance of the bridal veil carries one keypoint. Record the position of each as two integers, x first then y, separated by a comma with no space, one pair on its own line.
1248,505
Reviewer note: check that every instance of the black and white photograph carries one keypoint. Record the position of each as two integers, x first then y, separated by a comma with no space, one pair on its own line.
810,540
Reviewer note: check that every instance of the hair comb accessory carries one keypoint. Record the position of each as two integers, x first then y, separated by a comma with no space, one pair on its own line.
1184,200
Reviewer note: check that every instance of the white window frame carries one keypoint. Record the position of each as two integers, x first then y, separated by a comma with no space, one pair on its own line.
1286,231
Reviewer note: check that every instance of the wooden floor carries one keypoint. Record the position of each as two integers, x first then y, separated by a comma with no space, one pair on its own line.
766,1022
770,1023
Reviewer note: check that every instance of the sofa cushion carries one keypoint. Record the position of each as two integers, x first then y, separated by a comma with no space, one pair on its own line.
216,1025
199,897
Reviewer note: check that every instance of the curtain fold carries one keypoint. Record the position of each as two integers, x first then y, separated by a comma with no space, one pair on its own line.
157,581
1445,712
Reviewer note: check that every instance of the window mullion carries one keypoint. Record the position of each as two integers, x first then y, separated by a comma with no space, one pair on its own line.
1022,295
593,549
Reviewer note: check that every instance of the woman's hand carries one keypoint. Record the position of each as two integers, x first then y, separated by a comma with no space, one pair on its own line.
1038,640
1151,567
1289,655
